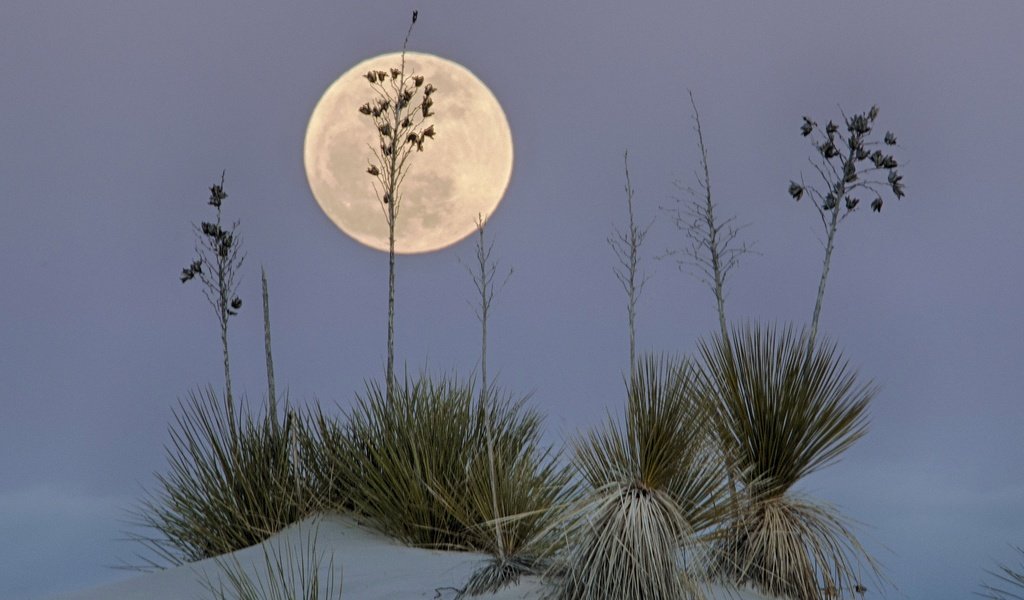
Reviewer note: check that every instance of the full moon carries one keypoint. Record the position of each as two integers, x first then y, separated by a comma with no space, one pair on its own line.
460,175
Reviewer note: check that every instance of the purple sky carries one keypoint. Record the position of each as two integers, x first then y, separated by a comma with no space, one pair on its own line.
116,117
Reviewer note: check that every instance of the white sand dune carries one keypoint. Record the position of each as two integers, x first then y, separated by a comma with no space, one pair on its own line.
367,564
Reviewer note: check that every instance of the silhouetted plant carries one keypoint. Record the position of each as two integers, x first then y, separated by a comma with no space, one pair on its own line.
626,245
848,164
713,249
218,260
400,110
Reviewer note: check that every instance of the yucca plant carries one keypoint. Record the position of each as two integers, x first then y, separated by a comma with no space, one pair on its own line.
286,573
400,453
418,466
323,444
654,484
231,484
783,408
514,492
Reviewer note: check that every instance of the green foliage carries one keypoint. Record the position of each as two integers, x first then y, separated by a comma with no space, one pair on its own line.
784,407
417,466
781,410
231,484
323,446
286,574
654,484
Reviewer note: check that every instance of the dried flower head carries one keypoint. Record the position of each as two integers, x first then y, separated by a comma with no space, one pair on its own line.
807,127
796,190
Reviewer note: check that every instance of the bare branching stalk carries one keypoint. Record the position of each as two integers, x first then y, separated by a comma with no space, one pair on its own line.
218,260
271,390
713,248
626,245
399,111
483,279
847,163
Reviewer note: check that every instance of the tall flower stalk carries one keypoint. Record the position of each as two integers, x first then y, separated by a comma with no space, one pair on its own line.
850,165
712,249
626,246
218,259
400,112
483,280
271,387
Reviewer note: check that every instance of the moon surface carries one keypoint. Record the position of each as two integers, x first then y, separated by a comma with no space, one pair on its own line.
461,174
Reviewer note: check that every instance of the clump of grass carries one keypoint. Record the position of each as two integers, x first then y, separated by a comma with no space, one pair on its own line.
418,468
654,484
785,406
231,484
286,574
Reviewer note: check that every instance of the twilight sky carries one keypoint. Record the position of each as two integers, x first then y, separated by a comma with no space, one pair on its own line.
116,117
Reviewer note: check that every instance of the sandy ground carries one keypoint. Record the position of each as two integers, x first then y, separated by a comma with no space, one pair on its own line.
369,565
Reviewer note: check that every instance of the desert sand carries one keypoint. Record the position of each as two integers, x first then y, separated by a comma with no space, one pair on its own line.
368,564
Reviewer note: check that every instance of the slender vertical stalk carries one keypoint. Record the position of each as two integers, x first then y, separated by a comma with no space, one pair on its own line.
483,278
831,226
391,303
222,306
626,245
712,230
271,390
713,249
216,266
633,260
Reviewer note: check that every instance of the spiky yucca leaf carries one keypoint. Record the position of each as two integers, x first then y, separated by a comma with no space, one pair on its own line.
783,409
417,466
402,452
509,510
654,483
666,443
321,439
794,548
1009,584
231,484
529,482
627,547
